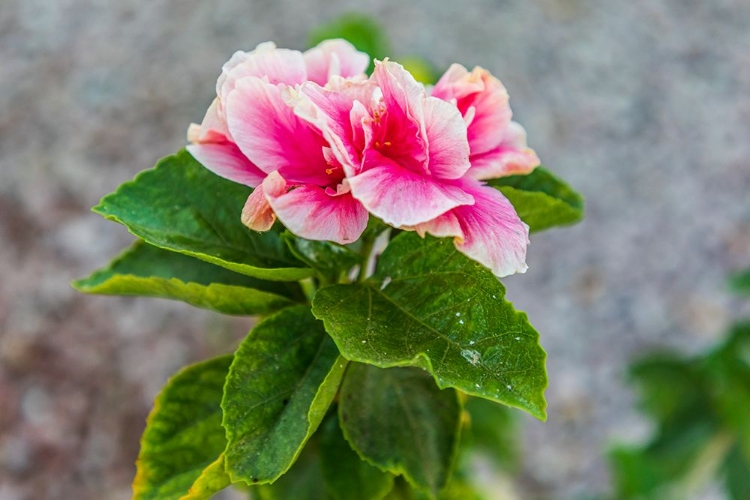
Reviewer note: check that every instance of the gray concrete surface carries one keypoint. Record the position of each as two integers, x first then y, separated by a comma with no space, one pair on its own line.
643,105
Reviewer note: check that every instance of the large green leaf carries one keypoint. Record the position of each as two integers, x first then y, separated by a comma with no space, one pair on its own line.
304,481
541,199
181,206
148,270
181,447
347,477
737,475
398,420
430,306
284,376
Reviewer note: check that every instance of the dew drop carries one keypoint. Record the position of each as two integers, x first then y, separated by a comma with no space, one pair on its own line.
518,338
386,282
471,342
472,357
458,314
461,321
509,387
364,341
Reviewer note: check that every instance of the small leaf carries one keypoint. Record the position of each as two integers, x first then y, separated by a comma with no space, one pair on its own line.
181,206
150,271
284,376
541,199
347,477
429,306
399,421
740,282
329,259
361,31
737,475
181,448
493,429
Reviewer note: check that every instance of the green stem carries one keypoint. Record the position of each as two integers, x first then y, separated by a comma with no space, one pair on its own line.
367,244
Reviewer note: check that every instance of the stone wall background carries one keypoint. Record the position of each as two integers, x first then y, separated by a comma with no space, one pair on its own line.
644,106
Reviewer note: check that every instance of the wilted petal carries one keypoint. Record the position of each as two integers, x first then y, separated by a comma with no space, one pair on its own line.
404,198
315,213
511,157
269,133
489,231
226,160
334,58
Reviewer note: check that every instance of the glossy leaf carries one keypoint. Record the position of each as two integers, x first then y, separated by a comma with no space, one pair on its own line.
329,259
348,477
181,206
181,448
150,271
427,305
541,199
398,420
284,376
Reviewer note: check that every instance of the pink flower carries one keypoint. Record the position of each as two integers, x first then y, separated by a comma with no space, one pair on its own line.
251,135
498,145
407,160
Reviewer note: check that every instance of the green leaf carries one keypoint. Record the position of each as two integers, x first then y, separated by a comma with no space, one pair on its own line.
493,429
181,206
304,481
399,421
284,376
541,199
329,259
429,306
740,282
147,270
181,448
360,30
737,475
347,477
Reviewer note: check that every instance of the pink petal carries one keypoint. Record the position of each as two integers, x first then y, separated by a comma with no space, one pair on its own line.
257,213
266,61
404,198
212,129
482,100
269,133
310,212
446,137
489,231
511,157
334,58
226,160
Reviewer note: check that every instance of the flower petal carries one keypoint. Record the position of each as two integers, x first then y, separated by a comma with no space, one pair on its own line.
482,99
511,157
257,214
269,133
212,129
266,61
226,160
334,58
404,198
489,231
446,137
310,212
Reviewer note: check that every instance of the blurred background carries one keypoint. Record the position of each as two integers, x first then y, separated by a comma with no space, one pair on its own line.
643,106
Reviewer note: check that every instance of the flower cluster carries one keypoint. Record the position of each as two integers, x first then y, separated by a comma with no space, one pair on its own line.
324,146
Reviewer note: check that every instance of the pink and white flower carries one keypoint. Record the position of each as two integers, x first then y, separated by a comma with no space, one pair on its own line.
498,144
252,136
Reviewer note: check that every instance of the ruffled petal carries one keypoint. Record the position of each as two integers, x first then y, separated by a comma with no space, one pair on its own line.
269,133
315,213
226,160
257,213
266,61
404,198
446,136
334,58
511,157
489,231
